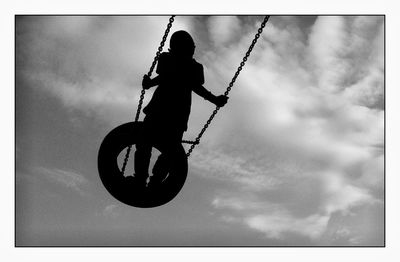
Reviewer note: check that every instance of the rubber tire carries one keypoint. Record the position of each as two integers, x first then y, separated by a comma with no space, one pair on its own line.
125,189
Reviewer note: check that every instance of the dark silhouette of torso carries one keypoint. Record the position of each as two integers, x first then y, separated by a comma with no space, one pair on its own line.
171,101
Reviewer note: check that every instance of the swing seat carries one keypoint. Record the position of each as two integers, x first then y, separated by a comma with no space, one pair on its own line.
126,189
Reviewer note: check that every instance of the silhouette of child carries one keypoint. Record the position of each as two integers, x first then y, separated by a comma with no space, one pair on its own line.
168,111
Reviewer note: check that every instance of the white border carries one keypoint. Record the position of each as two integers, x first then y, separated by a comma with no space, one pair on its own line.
388,8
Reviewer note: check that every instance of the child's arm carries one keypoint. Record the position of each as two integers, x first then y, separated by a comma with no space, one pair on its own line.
219,101
148,82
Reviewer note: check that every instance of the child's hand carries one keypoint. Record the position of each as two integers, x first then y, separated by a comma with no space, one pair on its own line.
146,82
221,100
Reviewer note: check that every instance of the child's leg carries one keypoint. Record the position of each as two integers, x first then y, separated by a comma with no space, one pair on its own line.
160,168
171,144
142,160
143,154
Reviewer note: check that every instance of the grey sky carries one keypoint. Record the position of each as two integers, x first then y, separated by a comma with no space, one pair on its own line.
295,158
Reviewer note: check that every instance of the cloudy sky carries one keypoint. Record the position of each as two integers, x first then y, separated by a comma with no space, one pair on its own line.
294,158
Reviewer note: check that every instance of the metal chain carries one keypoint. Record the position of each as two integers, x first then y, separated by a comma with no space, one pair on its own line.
153,65
139,109
228,89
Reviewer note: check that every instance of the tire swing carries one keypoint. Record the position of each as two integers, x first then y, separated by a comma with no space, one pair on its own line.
125,188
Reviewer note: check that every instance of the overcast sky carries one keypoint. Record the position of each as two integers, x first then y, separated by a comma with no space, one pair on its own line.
294,158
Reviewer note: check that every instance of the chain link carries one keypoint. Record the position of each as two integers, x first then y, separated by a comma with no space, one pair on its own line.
189,142
228,89
142,93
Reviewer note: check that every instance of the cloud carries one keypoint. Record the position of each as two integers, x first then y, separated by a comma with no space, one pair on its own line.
326,47
68,179
367,53
270,219
111,211
234,169
296,142
92,64
340,195
223,29
273,225
277,219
